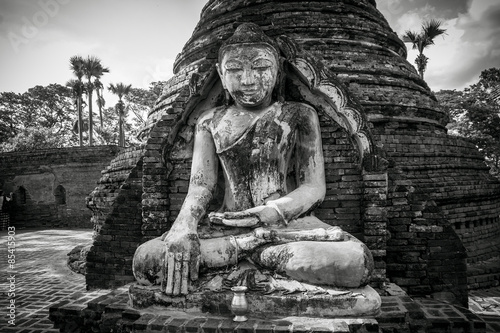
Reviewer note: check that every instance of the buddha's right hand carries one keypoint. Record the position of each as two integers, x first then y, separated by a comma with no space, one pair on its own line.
182,262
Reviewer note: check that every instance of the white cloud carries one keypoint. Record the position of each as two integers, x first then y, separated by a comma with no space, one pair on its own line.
413,19
479,7
469,46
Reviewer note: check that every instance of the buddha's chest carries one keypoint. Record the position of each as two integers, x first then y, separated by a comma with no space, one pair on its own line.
267,136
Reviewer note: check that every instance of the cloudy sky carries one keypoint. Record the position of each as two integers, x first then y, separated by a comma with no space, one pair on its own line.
139,40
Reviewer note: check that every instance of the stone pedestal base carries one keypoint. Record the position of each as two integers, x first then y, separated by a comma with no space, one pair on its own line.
360,302
111,312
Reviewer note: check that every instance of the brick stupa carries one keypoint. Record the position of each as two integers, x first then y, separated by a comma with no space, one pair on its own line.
421,200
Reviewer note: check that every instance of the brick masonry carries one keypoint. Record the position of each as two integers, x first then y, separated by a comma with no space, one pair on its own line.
399,314
117,219
423,201
50,185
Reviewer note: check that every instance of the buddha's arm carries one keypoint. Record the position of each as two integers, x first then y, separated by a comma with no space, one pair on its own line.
310,170
202,182
182,258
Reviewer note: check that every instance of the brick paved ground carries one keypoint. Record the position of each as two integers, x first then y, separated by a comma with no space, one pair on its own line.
486,303
43,279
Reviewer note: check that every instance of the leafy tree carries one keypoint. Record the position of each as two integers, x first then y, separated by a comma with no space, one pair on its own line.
10,115
52,104
475,114
141,101
78,88
120,90
37,118
423,39
92,68
490,79
32,138
109,133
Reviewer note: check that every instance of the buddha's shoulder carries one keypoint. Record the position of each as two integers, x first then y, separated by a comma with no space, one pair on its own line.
207,117
299,110
298,106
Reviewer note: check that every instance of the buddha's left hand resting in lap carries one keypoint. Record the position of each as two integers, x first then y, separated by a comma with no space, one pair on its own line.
259,142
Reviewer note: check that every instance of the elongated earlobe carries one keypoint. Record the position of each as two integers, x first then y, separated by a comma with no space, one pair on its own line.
227,97
221,76
279,89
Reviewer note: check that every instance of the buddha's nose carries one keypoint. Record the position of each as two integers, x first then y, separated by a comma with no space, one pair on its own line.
247,77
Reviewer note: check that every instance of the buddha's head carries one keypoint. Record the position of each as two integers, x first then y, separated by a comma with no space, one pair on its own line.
248,66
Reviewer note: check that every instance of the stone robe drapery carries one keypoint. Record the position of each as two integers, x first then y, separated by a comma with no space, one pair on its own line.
256,163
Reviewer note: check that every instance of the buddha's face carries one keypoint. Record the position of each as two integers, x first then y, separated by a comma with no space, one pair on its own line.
249,74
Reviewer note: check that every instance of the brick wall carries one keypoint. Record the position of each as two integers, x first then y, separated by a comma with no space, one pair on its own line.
4,220
453,173
117,218
37,177
424,254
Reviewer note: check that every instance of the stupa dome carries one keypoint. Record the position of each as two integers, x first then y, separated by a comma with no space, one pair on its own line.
351,37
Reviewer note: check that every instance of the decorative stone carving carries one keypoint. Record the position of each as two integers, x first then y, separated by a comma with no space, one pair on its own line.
271,155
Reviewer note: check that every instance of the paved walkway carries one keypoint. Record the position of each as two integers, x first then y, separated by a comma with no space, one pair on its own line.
43,279
486,303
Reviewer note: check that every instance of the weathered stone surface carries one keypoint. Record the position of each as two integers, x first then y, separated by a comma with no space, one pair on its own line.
359,302
77,258
437,193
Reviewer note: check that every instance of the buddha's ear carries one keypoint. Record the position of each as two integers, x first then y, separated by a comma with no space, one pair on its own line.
279,88
219,71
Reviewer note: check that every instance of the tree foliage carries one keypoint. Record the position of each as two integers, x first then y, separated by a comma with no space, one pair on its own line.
38,118
475,114
141,101
47,117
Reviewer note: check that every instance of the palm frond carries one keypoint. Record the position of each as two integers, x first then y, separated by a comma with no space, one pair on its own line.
76,87
101,102
120,89
98,84
411,37
92,67
76,66
432,29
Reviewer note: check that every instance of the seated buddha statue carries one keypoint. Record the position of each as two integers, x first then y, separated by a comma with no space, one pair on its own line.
271,156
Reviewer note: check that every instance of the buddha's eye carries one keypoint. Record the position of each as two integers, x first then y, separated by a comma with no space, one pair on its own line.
233,66
262,64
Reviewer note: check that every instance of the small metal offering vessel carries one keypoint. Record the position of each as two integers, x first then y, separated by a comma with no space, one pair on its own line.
239,305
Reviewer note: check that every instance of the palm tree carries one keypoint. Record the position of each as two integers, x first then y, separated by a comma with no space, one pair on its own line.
76,66
92,68
78,89
430,30
99,87
120,90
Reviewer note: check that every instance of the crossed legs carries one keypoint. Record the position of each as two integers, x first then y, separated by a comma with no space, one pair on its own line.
323,258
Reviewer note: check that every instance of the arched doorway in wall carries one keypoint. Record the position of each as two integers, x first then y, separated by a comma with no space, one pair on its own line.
60,195
20,196
60,204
